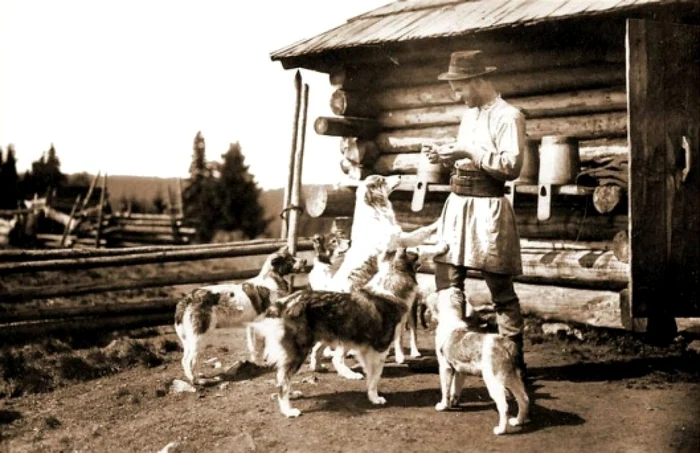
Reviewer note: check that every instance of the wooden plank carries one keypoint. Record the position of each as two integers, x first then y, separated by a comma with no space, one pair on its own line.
664,100
600,308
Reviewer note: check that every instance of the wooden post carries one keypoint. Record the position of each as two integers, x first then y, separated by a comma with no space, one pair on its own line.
91,189
290,174
100,212
295,209
66,229
173,217
181,204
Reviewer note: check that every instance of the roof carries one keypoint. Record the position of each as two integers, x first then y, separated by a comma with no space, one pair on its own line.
406,20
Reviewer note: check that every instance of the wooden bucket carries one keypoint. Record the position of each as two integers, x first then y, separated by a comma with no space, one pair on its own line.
559,160
531,163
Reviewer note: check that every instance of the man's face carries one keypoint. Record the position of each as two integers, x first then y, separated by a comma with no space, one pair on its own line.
466,91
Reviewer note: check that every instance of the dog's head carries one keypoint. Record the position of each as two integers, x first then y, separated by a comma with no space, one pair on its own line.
331,247
284,263
444,302
399,261
374,190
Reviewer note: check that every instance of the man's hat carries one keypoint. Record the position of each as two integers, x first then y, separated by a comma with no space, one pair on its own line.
466,64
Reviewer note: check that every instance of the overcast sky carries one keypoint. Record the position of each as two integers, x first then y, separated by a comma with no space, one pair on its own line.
123,86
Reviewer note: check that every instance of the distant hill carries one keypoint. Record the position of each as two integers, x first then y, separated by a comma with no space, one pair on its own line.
146,188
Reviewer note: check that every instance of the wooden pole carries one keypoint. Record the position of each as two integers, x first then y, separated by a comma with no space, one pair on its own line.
100,213
295,208
145,258
290,172
91,189
67,228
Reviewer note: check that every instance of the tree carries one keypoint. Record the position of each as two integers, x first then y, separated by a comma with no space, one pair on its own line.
240,208
200,196
45,174
9,180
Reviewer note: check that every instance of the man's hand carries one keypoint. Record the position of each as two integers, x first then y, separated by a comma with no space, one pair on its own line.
452,152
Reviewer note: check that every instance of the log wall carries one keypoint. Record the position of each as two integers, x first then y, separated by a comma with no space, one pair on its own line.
564,87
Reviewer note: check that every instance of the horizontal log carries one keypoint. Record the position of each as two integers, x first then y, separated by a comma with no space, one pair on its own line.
47,292
36,255
543,106
599,308
345,104
509,85
145,229
359,151
143,216
329,201
145,258
346,127
35,313
584,127
426,72
18,333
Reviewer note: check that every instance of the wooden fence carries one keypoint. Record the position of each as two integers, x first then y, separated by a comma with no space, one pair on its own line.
19,317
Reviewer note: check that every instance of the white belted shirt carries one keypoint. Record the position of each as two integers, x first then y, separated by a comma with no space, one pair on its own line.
481,231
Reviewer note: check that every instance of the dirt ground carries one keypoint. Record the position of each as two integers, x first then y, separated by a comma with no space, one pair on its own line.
608,392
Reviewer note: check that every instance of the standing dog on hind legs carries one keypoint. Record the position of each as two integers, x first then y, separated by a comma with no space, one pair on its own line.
462,352
236,304
365,320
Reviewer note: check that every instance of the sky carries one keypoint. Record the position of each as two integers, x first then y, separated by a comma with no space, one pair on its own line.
123,86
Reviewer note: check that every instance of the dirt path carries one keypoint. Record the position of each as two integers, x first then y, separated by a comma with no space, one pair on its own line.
587,397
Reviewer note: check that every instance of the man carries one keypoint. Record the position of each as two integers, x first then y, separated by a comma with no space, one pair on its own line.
477,221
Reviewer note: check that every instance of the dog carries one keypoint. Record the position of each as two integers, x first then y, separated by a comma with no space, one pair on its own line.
460,352
236,304
329,254
365,320
374,231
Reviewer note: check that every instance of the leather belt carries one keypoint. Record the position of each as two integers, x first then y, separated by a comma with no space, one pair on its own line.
475,183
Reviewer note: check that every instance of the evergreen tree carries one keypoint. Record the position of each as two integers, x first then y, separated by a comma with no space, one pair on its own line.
9,180
240,208
199,196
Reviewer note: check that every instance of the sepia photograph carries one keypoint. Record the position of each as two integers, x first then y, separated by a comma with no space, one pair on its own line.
362,226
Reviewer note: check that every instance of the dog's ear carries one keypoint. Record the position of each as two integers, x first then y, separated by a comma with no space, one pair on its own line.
256,298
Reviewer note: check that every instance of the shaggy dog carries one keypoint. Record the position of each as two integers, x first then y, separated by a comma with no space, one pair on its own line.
365,320
462,352
236,304
374,231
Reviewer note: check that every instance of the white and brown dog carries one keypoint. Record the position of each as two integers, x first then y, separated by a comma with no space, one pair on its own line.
365,320
231,305
461,352
329,255
374,231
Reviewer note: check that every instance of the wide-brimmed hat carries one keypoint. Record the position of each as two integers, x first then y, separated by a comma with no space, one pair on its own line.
466,64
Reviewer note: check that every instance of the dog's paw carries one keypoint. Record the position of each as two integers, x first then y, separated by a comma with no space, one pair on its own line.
514,421
378,400
352,375
292,413
400,358
441,406
454,401
498,430
415,354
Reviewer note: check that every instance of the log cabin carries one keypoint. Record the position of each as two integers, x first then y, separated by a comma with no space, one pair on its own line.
615,246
